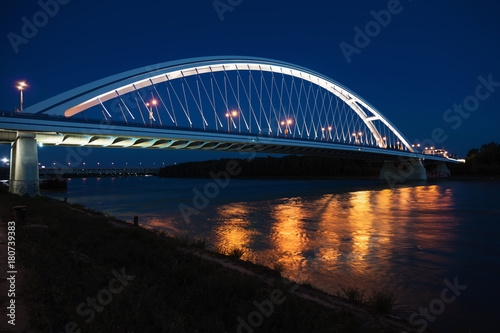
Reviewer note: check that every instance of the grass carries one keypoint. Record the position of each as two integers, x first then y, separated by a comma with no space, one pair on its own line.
199,244
382,300
353,294
279,268
173,290
236,253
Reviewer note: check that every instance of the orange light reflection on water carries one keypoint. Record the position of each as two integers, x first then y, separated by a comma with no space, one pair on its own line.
358,235
235,230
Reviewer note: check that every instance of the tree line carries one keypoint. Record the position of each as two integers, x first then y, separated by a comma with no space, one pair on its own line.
291,166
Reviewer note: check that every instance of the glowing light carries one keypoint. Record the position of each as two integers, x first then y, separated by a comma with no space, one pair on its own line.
289,121
5,160
282,123
329,128
234,113
21,85
227,115
154,102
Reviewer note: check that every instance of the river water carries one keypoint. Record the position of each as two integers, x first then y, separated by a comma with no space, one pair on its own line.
415,240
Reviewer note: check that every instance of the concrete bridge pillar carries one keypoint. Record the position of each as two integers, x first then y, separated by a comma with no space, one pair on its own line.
403,170
24,165
442,170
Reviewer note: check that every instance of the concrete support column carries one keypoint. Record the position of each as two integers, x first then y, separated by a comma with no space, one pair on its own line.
24,165
404,170
442,170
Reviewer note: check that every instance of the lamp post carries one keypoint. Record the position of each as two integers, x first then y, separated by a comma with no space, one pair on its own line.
287,124
153,102
21,85
230,120
151,113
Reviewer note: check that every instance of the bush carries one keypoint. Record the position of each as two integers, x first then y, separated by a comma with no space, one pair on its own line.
200,244
382,300
236,253
353,294
278,267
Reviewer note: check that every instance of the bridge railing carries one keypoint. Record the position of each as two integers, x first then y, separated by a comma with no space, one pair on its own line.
108,123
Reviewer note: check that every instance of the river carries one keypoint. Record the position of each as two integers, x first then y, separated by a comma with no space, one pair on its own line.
435,245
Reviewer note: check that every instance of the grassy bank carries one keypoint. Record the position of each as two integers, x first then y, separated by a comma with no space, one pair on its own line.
86,272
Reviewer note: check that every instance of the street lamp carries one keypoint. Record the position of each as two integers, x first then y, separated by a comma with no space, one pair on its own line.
288,123
151,111
230,120
5,160
355,137
21,85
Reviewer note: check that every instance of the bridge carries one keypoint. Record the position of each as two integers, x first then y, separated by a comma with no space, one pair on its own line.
97,171
243,104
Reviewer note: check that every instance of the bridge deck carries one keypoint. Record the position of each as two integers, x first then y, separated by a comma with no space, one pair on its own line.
61,131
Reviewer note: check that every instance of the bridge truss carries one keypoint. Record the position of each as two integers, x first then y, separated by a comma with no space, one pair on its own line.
231,95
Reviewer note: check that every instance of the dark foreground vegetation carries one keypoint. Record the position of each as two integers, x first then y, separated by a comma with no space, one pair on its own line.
278,167
86,272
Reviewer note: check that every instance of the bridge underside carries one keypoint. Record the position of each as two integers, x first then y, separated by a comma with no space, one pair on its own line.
69,133
24,135
103,141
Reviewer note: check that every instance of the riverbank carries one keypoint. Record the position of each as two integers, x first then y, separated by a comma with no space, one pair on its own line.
85,270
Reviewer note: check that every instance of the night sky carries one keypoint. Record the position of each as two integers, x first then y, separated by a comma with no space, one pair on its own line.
420,64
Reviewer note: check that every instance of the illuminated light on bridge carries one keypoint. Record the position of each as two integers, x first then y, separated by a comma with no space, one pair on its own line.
186,101
21,86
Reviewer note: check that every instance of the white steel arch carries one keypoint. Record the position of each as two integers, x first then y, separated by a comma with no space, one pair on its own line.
86,96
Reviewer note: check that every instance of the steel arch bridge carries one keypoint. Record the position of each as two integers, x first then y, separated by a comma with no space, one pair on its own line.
232,103
238,95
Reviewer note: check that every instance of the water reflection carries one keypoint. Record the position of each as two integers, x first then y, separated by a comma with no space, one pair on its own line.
234,229
348,238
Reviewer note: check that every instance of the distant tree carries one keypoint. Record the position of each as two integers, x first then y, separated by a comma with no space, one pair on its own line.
484,161
472,153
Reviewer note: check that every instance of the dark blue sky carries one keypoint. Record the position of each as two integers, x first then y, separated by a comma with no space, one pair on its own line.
427,59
